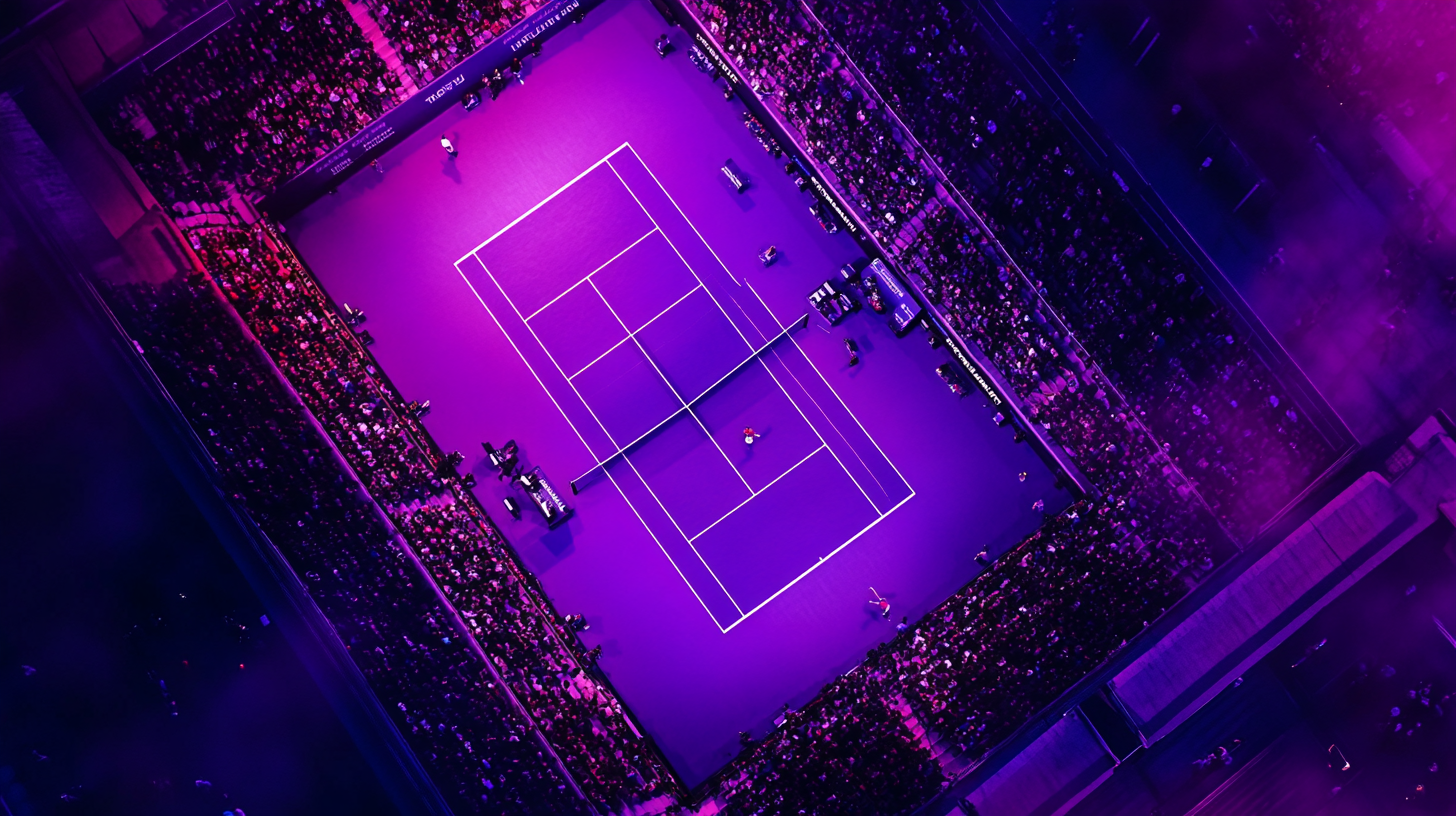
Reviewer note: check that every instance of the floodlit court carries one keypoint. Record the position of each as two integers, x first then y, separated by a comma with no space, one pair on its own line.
654,407
596,290
583,280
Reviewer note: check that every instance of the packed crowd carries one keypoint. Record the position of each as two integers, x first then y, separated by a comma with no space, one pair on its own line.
1096,283
257,102
416,484
1026,630
973,670
1182,394
581,718
430,36
1378,57
285,83
980,665
840,127
1072,595
849,753
470,737
274,462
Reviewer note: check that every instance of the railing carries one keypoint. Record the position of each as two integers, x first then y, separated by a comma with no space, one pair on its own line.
1057,458
266,359
281,573
113,86
1096,676
1181,483
396,124
1110,158
58,216
421,439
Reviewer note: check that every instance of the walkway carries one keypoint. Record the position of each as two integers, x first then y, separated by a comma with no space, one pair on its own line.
359,10
1377,347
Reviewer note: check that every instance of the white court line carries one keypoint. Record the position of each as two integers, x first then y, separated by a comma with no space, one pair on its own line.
847,443
806,419
820,563
512,341
852,415
825,414
590,452
678,570
674,414
664,311
673,389
676,251
620,490
593,272
741,335
842,404
543,202
814,428
680,532
599,357
694,273
679,210
756,492
632,335
603,426
785,391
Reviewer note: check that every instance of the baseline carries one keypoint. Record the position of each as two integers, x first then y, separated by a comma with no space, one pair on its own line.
711,603
542,203
747,583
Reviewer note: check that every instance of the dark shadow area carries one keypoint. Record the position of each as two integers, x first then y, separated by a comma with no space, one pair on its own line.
1300,203
137,671
1369,681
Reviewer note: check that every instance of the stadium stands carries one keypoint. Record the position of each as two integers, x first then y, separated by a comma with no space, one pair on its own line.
1106,336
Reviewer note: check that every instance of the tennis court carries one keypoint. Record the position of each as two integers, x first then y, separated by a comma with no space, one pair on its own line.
658,359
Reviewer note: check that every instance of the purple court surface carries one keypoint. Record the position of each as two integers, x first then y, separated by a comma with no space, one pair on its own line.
583,279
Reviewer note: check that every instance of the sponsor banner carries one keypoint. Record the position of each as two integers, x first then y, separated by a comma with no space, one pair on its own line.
833,201
710,50
957,350
756,106
413,113
976,374
906,308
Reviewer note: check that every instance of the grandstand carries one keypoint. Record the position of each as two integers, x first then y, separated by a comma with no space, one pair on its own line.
488,324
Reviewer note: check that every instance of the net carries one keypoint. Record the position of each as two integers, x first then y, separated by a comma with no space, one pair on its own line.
600,467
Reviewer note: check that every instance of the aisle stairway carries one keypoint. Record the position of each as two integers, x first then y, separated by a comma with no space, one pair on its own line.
941,748
359,10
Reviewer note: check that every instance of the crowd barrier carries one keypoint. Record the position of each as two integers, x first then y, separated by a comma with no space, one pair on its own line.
412,114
